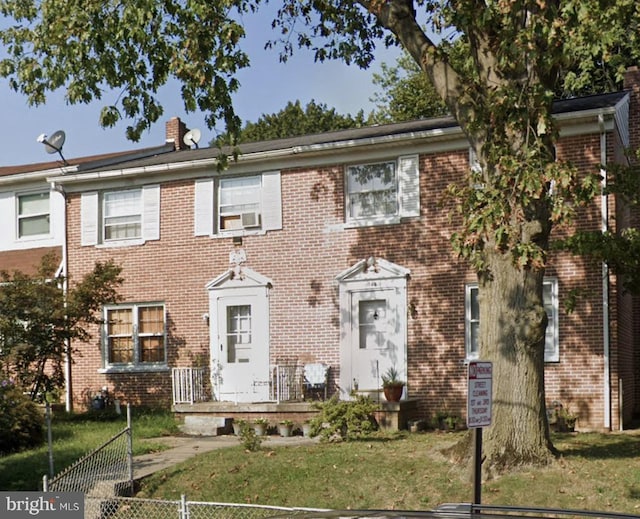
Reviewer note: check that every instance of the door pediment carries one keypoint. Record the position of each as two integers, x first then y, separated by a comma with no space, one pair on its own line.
372,268
248,278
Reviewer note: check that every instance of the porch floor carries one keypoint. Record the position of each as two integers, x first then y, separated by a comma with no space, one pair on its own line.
218,416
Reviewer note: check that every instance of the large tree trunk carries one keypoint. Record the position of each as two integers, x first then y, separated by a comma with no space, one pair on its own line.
512,336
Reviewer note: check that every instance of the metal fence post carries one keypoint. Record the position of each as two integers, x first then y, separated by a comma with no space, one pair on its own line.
130,450
184,511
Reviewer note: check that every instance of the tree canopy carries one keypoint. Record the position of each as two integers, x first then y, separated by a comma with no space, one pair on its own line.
496,66
293,121
39,319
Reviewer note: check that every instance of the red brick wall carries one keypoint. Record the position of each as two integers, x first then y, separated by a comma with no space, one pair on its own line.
302,261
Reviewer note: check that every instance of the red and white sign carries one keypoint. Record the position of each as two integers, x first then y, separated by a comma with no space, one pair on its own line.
480,394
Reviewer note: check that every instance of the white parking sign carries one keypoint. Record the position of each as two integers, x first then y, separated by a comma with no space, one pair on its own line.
480,394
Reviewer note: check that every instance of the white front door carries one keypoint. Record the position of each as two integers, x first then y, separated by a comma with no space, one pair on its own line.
377,337
240,346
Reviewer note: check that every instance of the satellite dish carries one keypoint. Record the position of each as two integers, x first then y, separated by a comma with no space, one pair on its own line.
54,143
192,137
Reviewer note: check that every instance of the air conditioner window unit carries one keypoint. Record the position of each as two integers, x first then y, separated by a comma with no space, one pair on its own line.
250,219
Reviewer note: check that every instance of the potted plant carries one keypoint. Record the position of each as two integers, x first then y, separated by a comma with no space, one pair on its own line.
306,428
238,425
260,426
285,427
392,386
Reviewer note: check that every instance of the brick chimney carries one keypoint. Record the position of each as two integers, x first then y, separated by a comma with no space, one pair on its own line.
632,82
175,131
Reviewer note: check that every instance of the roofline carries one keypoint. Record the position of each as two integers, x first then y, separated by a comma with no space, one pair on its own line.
586,121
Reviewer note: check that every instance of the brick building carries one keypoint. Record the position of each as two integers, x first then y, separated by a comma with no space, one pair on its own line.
333,249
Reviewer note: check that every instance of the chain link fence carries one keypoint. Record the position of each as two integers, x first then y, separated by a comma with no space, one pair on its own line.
101,475
136,508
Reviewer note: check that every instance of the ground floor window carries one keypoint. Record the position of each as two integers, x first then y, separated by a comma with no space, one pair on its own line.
135,334
550,301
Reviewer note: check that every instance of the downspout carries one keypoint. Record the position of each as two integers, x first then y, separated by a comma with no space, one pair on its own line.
68,388
604,215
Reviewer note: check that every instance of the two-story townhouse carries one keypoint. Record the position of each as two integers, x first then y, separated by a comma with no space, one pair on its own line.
334,249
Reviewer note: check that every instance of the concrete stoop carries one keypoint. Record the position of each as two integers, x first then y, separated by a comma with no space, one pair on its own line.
205,425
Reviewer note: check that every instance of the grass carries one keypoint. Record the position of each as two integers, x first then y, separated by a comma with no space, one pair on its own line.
401,471
76,435
407,471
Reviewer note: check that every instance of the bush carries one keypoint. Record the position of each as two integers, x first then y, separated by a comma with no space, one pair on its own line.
21,420
346,420
248,437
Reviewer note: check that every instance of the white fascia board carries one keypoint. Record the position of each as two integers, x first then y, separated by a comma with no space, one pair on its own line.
428,141
34,176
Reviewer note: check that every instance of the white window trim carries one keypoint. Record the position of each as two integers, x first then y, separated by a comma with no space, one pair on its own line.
553,357
135,366
18,216
139,213
92,220
468,289
407,170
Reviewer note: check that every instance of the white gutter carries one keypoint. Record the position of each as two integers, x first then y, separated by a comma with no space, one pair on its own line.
32,176
604,224
257,156
293,151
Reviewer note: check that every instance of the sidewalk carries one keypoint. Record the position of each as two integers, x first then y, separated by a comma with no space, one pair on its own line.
184,447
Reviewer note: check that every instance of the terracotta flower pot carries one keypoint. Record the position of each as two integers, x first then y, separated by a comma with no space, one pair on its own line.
393,393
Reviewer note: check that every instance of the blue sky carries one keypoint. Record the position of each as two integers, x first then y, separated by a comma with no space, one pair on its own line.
266,87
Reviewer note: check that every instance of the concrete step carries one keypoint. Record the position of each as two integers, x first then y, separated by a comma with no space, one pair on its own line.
204,425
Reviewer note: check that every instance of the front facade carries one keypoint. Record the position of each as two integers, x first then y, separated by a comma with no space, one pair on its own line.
333,249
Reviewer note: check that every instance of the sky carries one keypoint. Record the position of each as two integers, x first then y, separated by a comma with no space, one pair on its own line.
266,87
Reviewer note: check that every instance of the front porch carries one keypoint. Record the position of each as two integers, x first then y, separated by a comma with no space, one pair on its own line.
192,404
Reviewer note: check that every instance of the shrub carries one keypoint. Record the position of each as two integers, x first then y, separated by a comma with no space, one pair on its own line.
21,420
248,437
347,420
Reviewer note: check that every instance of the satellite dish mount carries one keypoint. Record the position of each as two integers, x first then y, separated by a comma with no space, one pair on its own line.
54,143
192,137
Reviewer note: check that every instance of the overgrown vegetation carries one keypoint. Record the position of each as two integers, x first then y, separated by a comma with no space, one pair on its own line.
344,420
21,421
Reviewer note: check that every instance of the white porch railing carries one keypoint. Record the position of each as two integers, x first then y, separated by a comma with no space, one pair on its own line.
286,382
189,385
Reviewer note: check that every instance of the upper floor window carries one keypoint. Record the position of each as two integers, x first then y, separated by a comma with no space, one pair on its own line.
382,192
237,205
135,335
550,302
373,190
124,216
33,214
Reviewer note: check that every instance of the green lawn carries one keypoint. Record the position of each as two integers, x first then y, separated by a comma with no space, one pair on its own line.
76,435
595,472
403,471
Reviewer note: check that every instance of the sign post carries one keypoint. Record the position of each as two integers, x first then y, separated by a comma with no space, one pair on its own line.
479,402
